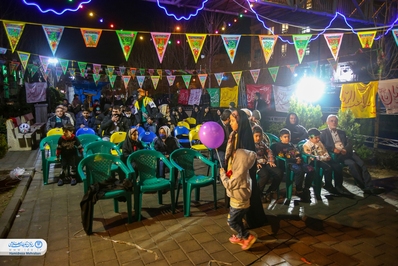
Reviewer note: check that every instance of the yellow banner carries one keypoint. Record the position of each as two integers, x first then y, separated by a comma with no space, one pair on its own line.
227,95
366,38
360,98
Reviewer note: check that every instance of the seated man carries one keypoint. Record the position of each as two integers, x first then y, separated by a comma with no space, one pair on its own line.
115,122
335,140
86,120
58,120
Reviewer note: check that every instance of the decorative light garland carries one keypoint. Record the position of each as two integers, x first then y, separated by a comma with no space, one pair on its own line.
52,10
182,17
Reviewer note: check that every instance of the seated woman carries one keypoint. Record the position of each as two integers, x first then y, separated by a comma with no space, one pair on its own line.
182,115
167,119
131,143
297,132
205,115
195,111
165,144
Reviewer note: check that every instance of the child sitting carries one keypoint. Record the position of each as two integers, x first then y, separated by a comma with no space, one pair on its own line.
68,148
285,149
150,125
238,188
315,147
266,165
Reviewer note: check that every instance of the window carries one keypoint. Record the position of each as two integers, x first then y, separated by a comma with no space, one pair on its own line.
306,30
308,4
284,50
285,28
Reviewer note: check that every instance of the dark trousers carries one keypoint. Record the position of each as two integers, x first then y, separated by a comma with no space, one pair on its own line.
265,173
359,171
235,221
328,168
301,170
69,164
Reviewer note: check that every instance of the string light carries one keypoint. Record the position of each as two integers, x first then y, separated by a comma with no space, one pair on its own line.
52,10
182,17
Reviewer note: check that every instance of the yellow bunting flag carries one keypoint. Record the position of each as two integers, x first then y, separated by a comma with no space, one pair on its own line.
237,75
91,36
267,43
196,42
366,38
14,32
160,40
155,81
227,95
24,57
360,98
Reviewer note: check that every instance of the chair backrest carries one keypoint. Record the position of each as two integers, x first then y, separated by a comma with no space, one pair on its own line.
300,145
50,144
191,121
118,137
88,138
139,129
181,132
272,138
147,137
55,131
183,124
193,136
198,127
104,147
145,164
185,159
85,130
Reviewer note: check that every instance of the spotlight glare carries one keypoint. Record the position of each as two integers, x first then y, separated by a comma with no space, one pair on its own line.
309,89
53,60
91,14
101,20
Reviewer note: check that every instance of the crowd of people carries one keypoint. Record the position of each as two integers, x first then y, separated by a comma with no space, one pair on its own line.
248,161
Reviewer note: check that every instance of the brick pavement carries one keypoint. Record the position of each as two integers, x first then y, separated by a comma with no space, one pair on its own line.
333,231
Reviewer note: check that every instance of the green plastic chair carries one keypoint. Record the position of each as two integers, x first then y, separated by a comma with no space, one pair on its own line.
104,147
88,138
183,160
48,148
272,139
145,166
97,168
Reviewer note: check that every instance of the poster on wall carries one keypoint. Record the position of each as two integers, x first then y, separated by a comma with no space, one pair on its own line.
36,92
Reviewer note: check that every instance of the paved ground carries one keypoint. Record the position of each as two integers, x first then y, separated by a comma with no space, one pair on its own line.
361,230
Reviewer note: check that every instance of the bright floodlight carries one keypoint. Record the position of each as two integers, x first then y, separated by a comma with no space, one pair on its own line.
309,89
53,60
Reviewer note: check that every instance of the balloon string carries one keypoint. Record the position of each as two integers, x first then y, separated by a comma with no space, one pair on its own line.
219,160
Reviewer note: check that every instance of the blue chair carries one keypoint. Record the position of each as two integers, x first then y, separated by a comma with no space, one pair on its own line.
146,137
182,134
139,129
97,168
145,166
85,130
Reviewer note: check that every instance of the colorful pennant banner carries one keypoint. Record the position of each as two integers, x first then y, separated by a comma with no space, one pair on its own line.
53,35
219,77
395,33
292,67
58,73
231,43
91,37
24,57
155,81
140,80
82,68
44,60
112,80
170,80
333,41
110,70
126,40
96,68
126,80
72,72
267,44
237,75
96,77
300,43
122,69
160,40
3,50
187,80
366,38
14,32
202,79
255,73
273,72
13,66
64,64
196,42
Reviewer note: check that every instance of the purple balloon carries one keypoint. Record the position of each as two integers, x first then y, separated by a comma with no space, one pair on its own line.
211,134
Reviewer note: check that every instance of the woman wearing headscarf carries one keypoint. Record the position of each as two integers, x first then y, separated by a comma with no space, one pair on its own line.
182,115
205,115
241,137
297,132
195,111
131,143
165,144
167,119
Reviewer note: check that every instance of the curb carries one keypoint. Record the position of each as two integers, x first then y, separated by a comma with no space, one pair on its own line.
8,216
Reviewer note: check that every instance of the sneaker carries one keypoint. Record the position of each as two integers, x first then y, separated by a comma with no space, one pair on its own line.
73,182
248,243
236,240
60,182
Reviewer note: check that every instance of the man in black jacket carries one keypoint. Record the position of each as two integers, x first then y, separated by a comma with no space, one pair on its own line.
114,122
336,141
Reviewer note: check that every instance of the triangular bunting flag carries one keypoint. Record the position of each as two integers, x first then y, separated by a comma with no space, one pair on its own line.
72,72
32,69
196,42
110,70
82,68
219,77
170,80
237,75
202,79
267,44
122,69
142,71
255,73
96,68
24,57
140,80
58,73
366,38
187,80
118,73
231,43
126,40
151,71
160,72
333,63
168,72
83,72
155,81
13,66
14,32
126,80
45,73
91,36
292,67
395,34
64,64
96,77
53,35
274,72
44,60
3,50
112,80
300,43
160,40
132,72
313,66
333,41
